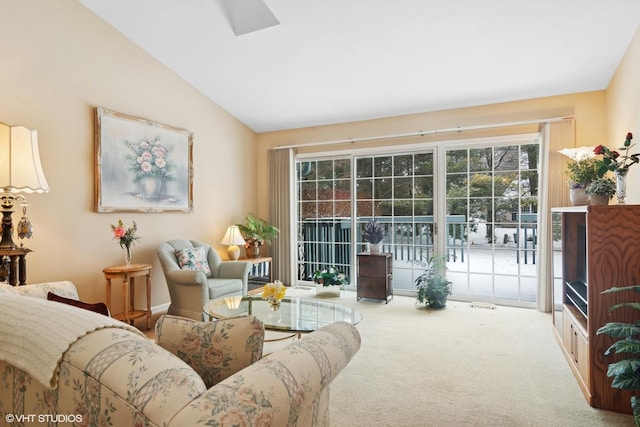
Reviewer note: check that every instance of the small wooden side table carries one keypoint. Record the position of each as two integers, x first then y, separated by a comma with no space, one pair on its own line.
128,273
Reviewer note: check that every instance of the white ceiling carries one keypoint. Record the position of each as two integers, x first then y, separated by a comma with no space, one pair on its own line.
334,61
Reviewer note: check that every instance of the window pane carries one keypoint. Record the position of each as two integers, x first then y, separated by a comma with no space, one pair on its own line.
423,187
364,167
457,161
506,158
402,188
480,159
343,190
364,188
382,188
423,164
325,169
308,191
382,166
403,165
342,169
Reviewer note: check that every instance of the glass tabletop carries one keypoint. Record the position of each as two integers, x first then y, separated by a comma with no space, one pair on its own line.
294,315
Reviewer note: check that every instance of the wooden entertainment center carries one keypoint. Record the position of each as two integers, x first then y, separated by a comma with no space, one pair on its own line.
594,248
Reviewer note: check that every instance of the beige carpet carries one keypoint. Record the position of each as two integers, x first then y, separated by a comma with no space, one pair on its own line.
461,366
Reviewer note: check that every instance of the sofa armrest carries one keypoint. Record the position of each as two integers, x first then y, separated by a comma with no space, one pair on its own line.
62,288
288,387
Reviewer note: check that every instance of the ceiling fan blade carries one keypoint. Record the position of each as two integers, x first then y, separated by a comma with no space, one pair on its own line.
247,16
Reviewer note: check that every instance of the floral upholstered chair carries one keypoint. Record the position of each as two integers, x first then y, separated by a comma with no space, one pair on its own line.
215,350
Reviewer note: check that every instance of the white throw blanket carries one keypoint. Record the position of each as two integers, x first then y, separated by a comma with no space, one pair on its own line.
35,333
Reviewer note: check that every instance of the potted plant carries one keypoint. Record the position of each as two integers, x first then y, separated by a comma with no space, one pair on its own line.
626,371
432,285
601,190
373,232
256,232
580,174
329,280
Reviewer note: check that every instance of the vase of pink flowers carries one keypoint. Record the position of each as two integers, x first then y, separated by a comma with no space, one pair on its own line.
125,237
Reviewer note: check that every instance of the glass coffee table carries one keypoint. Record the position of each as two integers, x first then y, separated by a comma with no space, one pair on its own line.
295,315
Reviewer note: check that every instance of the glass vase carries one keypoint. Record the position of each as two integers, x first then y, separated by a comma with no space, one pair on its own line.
274,303
127,255
621,185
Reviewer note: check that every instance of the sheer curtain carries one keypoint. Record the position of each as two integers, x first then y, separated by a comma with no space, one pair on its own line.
281,212
553,193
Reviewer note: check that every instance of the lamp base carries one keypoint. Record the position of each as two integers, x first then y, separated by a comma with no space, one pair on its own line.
233,252
7,227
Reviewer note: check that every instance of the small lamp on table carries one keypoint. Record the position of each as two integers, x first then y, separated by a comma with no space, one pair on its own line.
233,238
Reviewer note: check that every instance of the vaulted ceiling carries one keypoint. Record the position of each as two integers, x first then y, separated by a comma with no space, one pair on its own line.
334,61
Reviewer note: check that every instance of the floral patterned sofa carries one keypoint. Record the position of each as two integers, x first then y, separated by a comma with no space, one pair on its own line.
196,373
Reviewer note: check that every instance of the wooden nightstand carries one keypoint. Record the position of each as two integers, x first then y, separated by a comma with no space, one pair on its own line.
375,276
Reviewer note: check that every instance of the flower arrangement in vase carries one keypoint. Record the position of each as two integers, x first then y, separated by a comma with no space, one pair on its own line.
126,238
613,161
274,293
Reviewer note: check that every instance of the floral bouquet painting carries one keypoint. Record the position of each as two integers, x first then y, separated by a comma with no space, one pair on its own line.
142,165
149,163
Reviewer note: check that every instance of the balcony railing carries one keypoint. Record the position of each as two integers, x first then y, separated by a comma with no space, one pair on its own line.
327,241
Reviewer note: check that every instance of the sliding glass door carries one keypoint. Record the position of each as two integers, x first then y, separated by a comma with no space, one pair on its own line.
495,190
475,204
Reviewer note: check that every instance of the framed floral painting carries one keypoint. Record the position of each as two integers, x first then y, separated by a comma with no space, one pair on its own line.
142,166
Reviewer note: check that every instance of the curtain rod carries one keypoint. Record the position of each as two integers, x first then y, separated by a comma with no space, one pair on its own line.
424,133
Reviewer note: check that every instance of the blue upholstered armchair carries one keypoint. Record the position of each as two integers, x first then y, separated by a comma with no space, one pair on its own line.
195,274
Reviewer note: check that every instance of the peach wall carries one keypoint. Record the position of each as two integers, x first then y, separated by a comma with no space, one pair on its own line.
623,110
59,61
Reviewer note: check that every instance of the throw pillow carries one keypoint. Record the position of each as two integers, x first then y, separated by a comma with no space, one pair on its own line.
99,307
215,350
193,259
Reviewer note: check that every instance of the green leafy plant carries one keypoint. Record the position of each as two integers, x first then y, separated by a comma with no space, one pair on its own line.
625,372
602,187
330,277
581,172
432,285
257,231
373,232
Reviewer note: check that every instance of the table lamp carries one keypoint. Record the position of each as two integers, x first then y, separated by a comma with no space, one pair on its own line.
233,238
20,172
